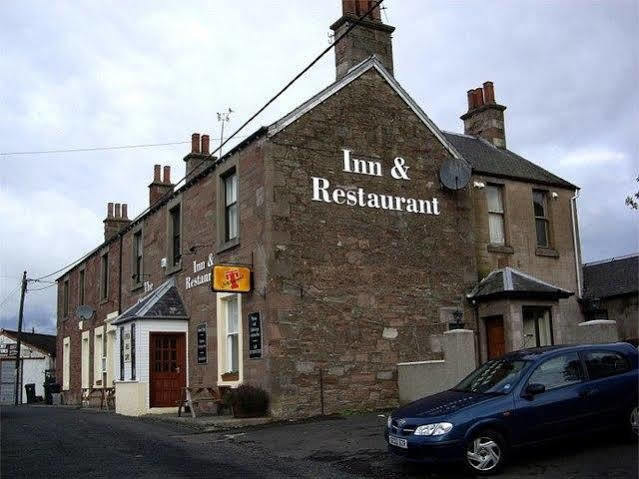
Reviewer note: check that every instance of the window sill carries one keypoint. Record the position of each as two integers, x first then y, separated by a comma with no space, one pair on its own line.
498,248
136,286
228,245
547,252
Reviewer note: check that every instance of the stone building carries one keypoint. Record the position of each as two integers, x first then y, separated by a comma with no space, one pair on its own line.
358,257
611,292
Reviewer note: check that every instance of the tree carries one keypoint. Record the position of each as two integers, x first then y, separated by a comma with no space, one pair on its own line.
633,200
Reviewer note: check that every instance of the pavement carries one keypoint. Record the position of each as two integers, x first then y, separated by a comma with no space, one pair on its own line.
62,442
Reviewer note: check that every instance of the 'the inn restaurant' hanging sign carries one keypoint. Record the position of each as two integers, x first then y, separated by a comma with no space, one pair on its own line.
231,279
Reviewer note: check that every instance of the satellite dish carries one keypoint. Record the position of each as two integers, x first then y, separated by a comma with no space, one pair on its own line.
84,312
455,174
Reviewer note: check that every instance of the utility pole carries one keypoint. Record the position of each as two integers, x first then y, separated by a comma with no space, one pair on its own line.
18,339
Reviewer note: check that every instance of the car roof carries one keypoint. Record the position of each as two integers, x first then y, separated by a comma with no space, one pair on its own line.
538,353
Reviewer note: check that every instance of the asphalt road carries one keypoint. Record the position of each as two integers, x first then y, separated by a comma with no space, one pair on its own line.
62,442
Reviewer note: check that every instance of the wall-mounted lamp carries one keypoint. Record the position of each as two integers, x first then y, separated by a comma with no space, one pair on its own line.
554,195
479,184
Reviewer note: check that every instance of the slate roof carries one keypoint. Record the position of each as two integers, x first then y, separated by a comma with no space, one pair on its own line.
611,277
164,302
44,342
511,283
487,159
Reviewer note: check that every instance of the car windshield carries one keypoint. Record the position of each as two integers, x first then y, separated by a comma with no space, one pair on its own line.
498,376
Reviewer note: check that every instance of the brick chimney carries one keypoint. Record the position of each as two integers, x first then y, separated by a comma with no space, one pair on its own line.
117,218
159,187
370,37
485,118
199,156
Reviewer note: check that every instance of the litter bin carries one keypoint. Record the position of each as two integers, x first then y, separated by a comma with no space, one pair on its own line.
30,393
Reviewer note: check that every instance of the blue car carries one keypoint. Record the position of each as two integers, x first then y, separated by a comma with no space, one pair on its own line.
525,397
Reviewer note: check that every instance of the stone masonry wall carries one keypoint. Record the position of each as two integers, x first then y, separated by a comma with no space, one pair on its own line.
356,290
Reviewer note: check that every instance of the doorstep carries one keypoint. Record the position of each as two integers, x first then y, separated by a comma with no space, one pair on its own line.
210,423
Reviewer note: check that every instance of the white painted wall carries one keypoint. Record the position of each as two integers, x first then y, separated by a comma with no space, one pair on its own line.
34,364
128,392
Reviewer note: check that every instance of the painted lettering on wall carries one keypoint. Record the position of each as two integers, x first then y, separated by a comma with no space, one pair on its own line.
198,266
323,192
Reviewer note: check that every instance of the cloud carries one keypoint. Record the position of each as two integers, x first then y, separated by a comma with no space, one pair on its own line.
90,74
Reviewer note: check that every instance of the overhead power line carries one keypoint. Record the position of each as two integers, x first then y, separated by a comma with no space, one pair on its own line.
235,133
8,296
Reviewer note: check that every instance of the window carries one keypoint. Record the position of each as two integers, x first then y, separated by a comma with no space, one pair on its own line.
601,364
537,327
495,201
65,299
104,277
138,273
85,360
230,207
121,353
175,235
133,351
232,342
98,354
66,363
81,287
558,372
541,218
496,376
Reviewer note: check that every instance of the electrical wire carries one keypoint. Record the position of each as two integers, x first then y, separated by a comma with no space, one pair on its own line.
235,133
40,289
98,148
11,293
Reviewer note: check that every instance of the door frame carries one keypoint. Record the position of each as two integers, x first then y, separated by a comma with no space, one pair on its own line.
186,376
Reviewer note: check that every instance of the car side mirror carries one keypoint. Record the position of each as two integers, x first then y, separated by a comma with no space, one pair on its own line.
533,389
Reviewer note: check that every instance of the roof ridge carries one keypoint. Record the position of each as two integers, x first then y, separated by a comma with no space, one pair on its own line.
611,260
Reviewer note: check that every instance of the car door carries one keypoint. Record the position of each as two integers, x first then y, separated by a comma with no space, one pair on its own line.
560,408
610,390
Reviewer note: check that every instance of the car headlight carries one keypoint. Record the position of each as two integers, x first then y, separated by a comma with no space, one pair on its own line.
389,421
436,429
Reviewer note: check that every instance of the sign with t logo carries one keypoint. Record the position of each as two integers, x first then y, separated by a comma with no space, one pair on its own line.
231,279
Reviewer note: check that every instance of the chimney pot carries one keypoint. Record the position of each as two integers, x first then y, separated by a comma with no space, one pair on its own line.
471,100
117,210
156,174
479,97
167,175
195,143
489,92
205,144
125,213
109,210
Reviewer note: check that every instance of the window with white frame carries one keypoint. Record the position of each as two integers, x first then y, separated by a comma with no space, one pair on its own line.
495,201
98,348
230,206
232,334
85,360
66,363
229,337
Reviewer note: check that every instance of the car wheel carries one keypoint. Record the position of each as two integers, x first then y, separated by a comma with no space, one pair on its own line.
485,452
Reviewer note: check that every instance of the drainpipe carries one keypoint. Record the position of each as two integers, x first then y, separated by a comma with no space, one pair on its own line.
573,216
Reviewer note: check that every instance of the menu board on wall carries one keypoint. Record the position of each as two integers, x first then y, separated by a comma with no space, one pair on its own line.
201,344
255,335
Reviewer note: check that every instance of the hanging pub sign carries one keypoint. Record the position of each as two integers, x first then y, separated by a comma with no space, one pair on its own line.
231,279
201,344
255,335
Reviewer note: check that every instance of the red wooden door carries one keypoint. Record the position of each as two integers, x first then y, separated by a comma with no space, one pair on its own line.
167,362
495,336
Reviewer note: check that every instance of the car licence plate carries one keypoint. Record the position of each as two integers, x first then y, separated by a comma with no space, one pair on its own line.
398,441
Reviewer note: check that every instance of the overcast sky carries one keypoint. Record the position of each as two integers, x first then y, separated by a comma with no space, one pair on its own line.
90,74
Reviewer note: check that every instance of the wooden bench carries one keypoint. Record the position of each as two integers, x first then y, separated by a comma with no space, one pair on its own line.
106,396
199,394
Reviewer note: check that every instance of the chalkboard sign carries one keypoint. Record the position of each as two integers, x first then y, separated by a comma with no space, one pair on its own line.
201,344
255,336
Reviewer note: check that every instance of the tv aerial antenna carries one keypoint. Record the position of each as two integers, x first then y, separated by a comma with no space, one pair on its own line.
223,117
